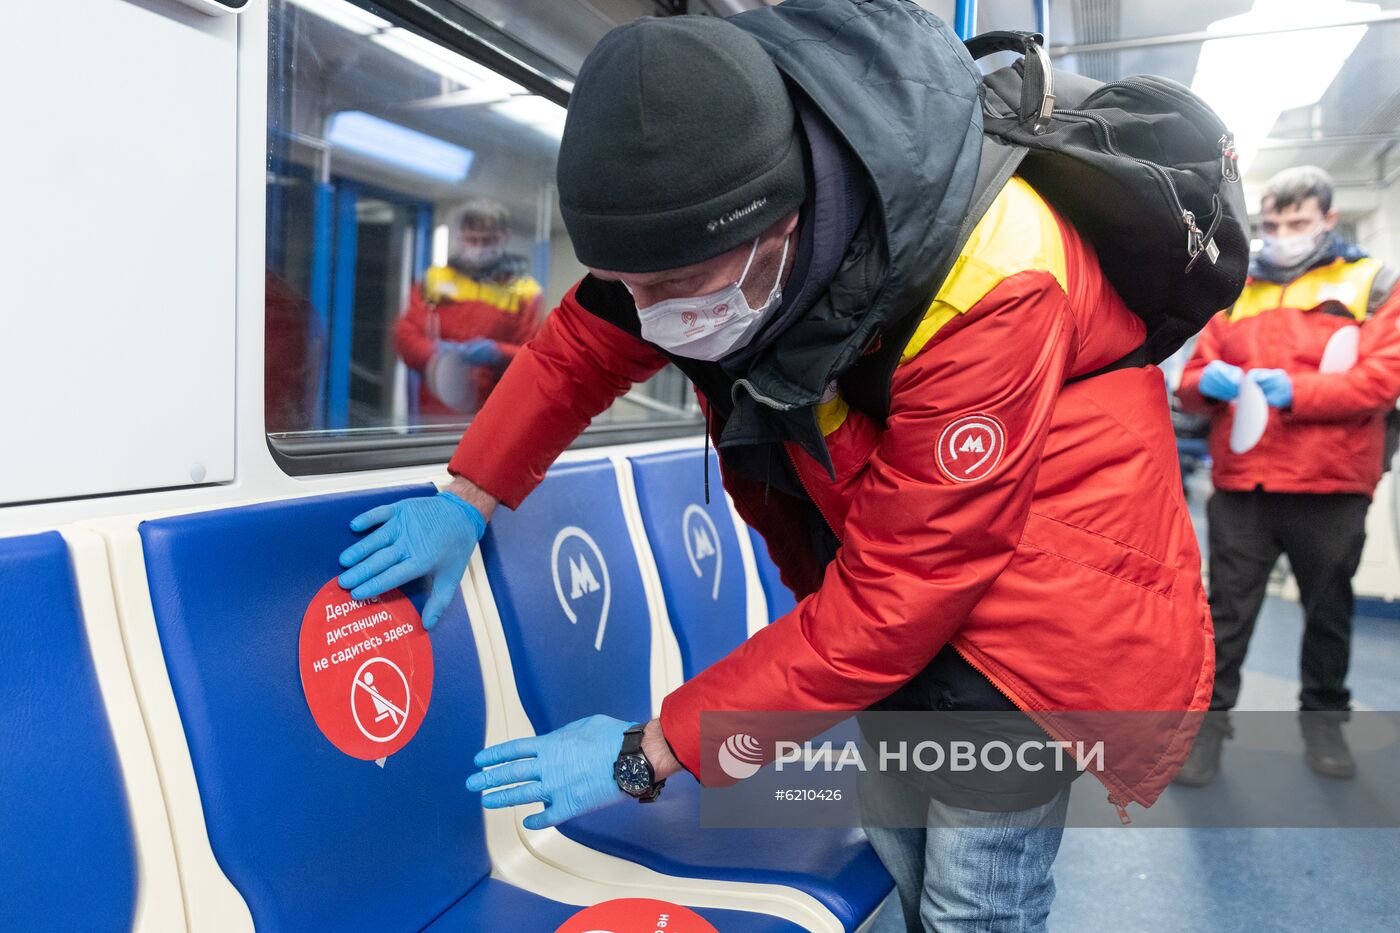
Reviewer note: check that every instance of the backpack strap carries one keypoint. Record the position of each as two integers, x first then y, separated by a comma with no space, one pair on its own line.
1133,359
1037,84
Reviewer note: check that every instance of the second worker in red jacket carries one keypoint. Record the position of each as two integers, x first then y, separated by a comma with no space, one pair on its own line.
1315,330
466,320
1015,539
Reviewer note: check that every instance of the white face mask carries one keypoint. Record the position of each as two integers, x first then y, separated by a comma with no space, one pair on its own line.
709,326
1287,251
480,257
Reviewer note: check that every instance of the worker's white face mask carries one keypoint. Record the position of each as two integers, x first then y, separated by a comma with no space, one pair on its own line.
709,326
479,257
1287,251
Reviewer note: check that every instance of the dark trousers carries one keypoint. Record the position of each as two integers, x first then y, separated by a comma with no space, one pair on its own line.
1322,536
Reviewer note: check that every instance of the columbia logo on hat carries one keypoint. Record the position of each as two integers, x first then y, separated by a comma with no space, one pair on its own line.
736,214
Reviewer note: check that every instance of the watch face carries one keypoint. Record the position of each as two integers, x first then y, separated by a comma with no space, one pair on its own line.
633,774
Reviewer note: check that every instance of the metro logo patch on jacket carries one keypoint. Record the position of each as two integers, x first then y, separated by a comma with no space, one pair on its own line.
971,447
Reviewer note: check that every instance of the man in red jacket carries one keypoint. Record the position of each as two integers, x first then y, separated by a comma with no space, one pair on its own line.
1003,538
1316,331
466,320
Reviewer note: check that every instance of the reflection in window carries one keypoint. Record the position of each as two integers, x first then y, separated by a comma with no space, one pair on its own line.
467,319
414,242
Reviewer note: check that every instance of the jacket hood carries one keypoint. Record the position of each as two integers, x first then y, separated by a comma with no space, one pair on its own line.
901,91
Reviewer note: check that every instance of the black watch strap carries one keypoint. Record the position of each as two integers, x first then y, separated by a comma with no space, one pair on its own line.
651,795
632,740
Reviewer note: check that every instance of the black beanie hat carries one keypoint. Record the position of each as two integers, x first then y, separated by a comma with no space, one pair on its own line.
681,143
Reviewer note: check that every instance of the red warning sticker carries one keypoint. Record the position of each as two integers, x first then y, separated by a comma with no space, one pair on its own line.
636,915
366,670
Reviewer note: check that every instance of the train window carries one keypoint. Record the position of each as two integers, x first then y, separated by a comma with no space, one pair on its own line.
414,240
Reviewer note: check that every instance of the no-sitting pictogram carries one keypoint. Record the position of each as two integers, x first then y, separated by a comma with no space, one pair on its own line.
380,707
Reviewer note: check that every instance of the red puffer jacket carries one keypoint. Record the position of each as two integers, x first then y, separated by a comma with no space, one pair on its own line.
1038,527
1331,439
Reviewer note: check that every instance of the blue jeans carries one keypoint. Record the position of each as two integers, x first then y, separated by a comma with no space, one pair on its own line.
968,871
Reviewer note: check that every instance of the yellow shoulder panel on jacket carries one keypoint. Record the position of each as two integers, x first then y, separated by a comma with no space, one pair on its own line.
445,284
1017,234
1257,297
524,288
1348,283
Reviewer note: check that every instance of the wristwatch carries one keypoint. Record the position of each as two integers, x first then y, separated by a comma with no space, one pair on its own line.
632,771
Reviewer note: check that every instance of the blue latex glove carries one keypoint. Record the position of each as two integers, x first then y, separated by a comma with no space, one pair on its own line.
426,536
1276,386
1220,380
570,770
450,346
481,351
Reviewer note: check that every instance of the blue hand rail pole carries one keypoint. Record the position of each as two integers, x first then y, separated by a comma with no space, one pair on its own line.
965,19
322,257
422,259
1042,18
342,316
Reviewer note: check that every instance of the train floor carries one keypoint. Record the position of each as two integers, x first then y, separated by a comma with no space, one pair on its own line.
1143,879
1157,880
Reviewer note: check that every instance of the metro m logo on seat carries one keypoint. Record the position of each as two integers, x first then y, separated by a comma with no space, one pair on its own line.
581,579
589,592
702,541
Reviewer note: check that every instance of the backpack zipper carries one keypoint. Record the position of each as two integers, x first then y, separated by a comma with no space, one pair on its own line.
1196,242
1106,132
1195,239
1229,158
1168,89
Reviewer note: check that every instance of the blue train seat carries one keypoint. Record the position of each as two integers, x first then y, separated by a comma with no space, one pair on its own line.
571,599
697,555
577,649
69,859
312,838
780,598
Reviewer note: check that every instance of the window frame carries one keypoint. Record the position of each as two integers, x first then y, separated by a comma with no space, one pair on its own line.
455,29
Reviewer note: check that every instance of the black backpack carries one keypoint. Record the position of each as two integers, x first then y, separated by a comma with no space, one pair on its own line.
1142,168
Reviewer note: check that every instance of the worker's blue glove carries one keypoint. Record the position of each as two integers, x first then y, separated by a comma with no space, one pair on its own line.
1221,381
426,536
570,770
481,351
1276,386
449,346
